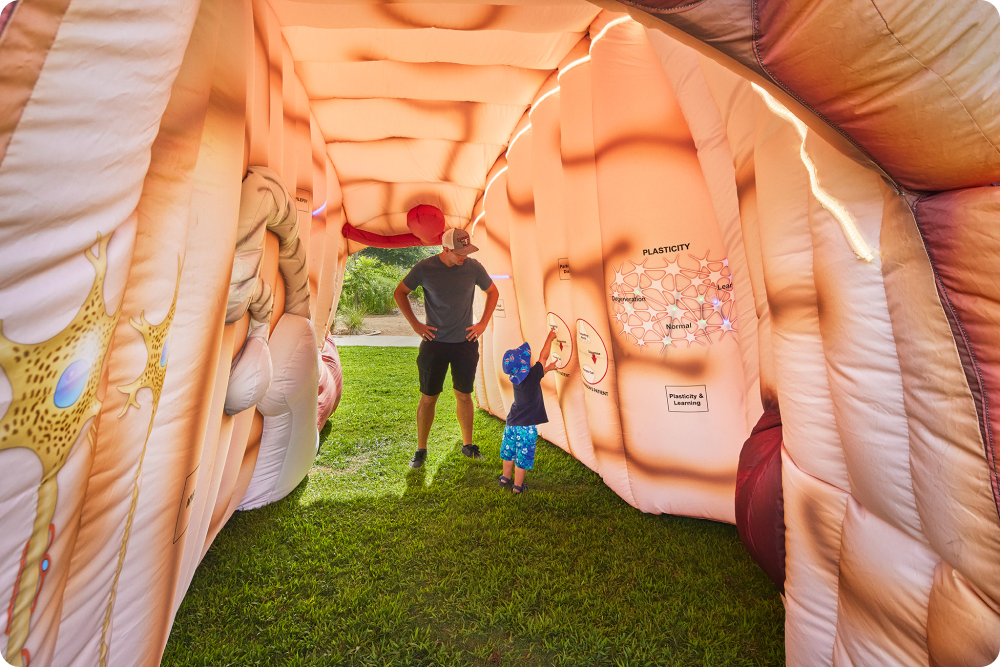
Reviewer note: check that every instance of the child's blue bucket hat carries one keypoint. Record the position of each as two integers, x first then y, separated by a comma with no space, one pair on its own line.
517,363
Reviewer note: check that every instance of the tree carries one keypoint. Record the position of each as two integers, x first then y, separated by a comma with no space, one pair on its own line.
402,257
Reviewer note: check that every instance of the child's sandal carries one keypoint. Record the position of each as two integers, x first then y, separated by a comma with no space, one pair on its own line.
519,489
504,482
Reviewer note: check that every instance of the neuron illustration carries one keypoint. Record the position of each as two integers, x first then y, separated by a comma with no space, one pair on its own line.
671,304
157,340
54,398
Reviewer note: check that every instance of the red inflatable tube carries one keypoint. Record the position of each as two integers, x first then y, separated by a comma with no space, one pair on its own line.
381,241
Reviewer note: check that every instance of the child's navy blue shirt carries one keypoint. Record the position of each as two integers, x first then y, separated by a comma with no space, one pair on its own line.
528,408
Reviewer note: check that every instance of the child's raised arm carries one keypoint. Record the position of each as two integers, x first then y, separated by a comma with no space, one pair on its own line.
546,351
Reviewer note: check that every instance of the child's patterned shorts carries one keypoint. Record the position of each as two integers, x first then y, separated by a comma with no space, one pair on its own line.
519,445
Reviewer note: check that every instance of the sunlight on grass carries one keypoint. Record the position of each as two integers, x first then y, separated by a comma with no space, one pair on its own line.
370,440
369,563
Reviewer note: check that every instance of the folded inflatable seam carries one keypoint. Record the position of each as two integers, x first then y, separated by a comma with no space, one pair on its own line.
927,68
970,364
755,21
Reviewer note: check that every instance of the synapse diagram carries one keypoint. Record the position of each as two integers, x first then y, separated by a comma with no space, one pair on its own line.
666,303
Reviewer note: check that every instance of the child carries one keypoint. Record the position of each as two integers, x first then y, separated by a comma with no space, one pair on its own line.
528,411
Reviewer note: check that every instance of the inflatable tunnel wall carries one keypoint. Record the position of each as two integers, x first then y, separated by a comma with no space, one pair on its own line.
146,344
764,234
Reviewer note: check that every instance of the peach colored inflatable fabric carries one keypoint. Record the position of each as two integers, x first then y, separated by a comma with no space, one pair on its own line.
290,439
722,208
942,67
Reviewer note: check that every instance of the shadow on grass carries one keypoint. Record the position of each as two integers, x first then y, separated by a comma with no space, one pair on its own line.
371,563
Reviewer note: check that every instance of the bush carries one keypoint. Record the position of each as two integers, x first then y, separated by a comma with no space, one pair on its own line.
353,317
369,283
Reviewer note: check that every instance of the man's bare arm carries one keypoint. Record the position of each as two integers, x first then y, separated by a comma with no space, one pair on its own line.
401,295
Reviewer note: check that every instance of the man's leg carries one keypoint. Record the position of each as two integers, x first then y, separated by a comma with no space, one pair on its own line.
463,378
432,366
425,418
464,411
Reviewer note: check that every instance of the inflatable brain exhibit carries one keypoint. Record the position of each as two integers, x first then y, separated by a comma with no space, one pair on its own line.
765,232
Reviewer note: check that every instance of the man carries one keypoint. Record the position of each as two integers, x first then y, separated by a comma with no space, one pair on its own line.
449,338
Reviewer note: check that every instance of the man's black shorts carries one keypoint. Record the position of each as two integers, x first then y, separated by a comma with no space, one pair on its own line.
434,358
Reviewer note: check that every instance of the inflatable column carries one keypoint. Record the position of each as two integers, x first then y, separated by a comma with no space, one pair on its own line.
61,308
669,288
553,254
506,326
586,261
528,270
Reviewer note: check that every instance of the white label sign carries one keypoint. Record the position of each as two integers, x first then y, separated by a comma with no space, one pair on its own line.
563,268
687,399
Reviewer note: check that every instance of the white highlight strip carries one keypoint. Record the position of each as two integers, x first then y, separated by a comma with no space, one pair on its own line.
516,137
578,61
836,209
486,192
550,94
478,218
488,185
611,24
600,35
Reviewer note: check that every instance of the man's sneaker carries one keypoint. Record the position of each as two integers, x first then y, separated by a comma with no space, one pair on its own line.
418,458
472,451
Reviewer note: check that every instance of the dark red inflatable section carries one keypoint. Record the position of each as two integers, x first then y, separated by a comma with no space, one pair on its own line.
760,507
331,382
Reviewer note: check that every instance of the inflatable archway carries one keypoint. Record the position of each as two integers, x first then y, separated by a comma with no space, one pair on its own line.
764,232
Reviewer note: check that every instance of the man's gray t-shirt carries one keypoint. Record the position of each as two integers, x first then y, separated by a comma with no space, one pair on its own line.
448,294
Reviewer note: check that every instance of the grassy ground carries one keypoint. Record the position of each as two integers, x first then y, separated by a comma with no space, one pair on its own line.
367,563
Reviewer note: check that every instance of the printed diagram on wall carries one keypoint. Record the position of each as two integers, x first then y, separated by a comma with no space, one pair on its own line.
592,353
562,346
156,338
54,387
666,303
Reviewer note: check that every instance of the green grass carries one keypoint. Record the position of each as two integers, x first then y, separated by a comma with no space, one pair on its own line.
367,563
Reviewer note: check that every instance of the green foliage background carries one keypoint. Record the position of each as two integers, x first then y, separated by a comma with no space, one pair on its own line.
402,257
372,275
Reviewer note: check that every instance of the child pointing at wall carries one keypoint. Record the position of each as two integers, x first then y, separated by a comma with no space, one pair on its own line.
528,410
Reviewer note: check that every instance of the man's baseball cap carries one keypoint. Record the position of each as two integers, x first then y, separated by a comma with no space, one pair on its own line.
458,241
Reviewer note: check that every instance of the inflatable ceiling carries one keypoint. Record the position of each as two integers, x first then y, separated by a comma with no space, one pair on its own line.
765,230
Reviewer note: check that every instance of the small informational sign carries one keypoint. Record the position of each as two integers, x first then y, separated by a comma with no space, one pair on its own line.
563,268
499,311
693,398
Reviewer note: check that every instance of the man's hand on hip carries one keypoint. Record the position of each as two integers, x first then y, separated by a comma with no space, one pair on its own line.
425,332
476,330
